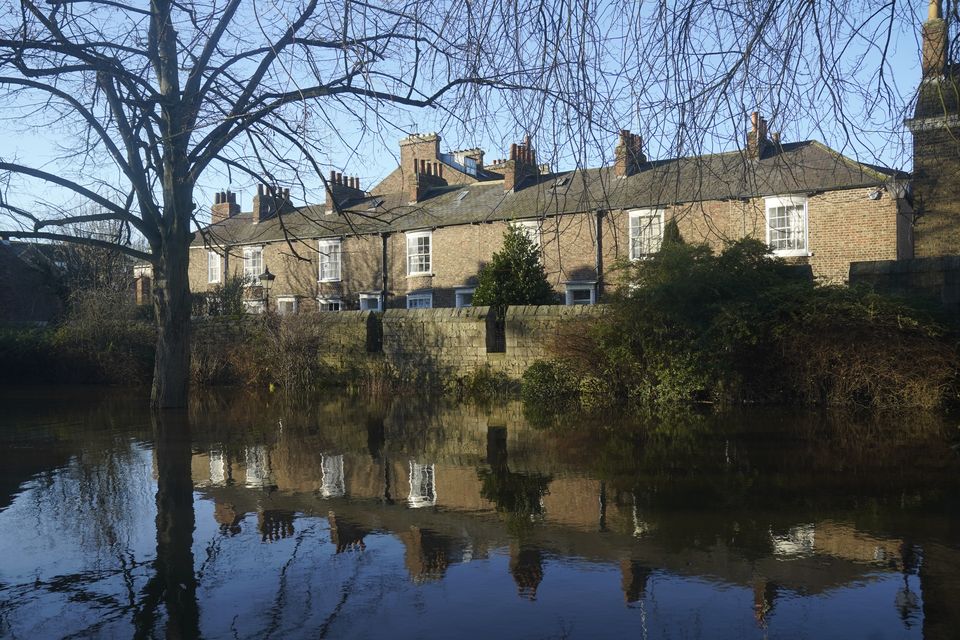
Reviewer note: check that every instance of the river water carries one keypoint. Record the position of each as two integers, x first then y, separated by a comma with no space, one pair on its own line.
253,517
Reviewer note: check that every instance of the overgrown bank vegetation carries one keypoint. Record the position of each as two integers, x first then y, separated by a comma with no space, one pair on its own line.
688,327
740,327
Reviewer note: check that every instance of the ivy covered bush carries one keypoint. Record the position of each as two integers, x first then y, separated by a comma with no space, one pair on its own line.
692,326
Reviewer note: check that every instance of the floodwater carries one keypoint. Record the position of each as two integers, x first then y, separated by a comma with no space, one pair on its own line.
250,517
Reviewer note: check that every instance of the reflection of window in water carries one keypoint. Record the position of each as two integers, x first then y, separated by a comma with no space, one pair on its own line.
423,491
257,466
332,484
640,526
218,469
797,541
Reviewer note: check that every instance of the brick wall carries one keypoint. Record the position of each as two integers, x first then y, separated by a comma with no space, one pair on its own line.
936,278
936,165
844,226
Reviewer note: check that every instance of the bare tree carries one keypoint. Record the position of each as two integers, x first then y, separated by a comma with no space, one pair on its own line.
161,94
149,99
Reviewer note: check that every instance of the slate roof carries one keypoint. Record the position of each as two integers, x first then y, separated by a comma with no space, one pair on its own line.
799,167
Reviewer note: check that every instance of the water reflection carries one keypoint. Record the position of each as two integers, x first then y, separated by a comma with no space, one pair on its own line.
352,518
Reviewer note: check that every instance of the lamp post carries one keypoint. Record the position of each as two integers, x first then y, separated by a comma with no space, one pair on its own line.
266,281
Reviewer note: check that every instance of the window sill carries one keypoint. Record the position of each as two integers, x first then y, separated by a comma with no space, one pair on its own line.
329,280
420,275
792,254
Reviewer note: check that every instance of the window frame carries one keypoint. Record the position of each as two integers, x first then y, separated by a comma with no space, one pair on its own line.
635,216
294,300
420,295
462,291
571,287
328,243
213,257
533,229
248,278
371,296
412,237
255,307
774,202
329,300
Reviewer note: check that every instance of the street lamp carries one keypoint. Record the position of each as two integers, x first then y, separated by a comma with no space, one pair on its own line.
266,281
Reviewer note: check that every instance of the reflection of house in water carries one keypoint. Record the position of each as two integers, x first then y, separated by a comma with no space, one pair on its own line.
552,505
332,483
423,489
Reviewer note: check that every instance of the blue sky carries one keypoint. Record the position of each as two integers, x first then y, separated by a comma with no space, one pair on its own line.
367,147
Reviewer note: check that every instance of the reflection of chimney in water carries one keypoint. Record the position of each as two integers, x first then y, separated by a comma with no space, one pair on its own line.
226,515
633,580
275,524
346,536
526,567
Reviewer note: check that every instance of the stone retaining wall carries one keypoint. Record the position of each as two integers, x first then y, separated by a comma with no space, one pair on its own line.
447,343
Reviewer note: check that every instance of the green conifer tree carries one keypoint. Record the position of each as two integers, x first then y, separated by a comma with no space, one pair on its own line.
515,275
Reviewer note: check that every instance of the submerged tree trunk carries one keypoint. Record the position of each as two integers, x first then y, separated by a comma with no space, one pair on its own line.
172,304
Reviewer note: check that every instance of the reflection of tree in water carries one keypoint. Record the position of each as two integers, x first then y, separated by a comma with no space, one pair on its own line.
526,567
516,494
275,524
173,583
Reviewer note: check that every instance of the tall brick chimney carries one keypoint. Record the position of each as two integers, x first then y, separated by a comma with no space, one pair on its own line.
934,37
426,175
521,165
224,206
340,189
757,138
268,202
628,154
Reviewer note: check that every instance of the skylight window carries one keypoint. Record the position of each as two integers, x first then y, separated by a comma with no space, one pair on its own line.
561,182
462,195
376,203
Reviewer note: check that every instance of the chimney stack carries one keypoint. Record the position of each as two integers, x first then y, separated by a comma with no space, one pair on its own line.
426,176
224,206
757,138
269,201
341,189
521,165
628,154
934,37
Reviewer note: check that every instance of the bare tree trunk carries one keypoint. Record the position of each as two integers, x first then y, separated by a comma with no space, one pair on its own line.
172,304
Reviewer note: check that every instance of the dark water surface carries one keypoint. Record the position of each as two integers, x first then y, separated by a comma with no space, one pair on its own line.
247,517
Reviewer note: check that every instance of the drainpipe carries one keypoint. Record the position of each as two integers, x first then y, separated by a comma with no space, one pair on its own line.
383,270
599,261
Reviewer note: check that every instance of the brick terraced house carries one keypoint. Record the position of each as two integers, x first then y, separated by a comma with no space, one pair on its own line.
420,237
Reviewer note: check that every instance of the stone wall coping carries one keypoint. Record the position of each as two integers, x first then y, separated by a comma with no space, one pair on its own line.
911,265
